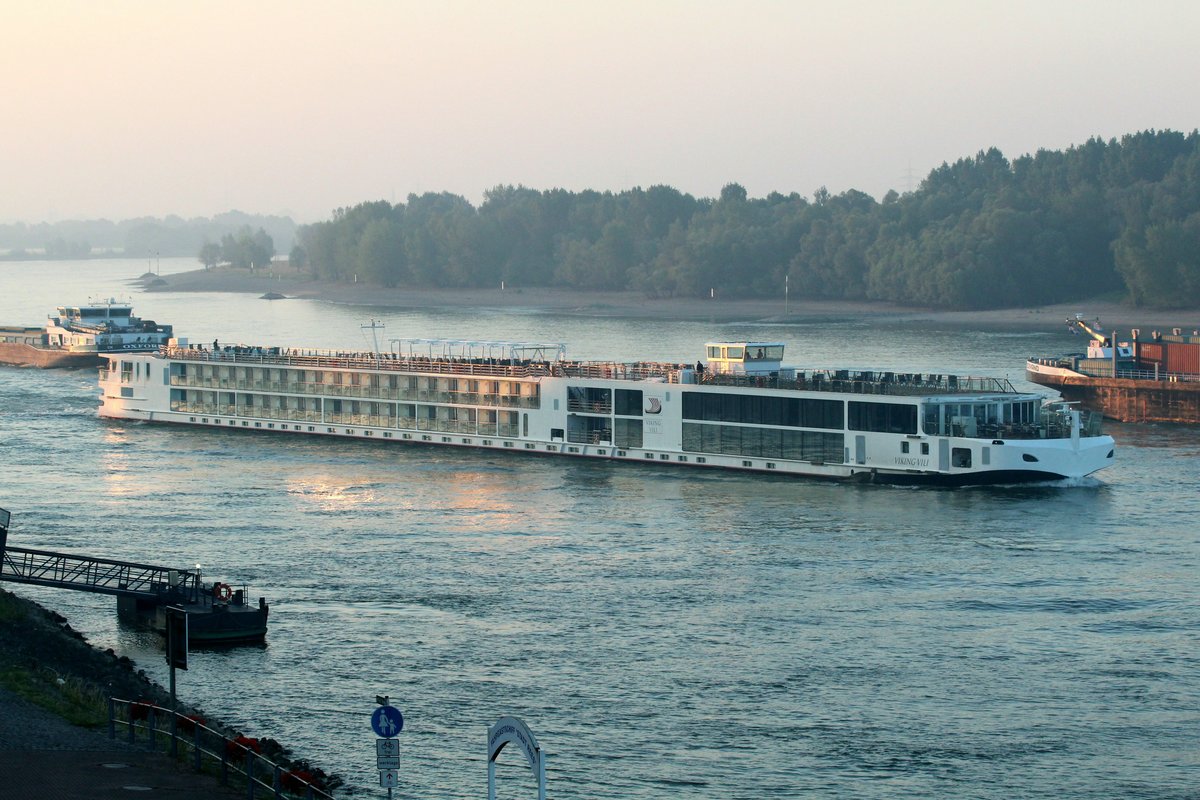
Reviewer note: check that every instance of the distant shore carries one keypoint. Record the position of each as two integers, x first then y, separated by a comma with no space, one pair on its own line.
293,284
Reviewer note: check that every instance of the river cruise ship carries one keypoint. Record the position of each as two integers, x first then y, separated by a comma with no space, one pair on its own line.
739,408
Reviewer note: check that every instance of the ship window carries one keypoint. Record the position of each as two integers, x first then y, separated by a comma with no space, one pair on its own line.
882,417
924,448
904,447
627,432
701,460
126,391
627,402
1027,457
960,457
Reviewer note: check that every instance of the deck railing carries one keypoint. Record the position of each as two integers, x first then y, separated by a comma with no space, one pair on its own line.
210,750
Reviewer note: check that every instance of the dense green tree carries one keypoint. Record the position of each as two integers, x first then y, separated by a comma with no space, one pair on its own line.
980,232
210,254
247,249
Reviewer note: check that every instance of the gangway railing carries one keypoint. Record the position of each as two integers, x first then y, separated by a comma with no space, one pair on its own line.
100,575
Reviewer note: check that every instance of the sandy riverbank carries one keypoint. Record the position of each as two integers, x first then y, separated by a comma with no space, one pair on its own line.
293,284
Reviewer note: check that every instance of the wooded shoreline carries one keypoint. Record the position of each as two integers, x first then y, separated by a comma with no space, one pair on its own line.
632,305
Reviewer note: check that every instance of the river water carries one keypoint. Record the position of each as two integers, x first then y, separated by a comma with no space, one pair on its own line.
665,632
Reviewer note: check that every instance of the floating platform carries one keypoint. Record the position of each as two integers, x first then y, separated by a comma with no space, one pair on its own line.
217,613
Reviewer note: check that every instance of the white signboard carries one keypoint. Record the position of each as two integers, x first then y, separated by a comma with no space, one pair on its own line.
389,778
387,753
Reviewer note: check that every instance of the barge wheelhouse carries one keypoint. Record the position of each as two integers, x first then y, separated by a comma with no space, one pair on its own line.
739,408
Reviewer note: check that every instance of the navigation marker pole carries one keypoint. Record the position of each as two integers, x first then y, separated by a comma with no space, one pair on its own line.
375,325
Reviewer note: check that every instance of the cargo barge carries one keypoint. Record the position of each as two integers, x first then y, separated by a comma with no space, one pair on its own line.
77,337
1146,378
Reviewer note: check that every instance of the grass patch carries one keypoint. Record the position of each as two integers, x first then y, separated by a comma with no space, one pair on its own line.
76,701
10,609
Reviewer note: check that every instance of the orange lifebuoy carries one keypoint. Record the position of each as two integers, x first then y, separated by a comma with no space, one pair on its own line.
222,591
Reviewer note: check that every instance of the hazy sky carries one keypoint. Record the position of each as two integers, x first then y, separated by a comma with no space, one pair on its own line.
119,108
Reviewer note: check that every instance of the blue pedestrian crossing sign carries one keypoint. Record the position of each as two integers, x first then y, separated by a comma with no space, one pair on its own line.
387,721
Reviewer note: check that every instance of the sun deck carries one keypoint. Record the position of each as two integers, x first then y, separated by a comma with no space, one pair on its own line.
818,380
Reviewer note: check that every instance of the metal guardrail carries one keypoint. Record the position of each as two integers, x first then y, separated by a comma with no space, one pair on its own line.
211,750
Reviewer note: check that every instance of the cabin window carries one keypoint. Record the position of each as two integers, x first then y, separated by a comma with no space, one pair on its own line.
763,410
627,402
882,417
924,448
904,447
627,432
960,457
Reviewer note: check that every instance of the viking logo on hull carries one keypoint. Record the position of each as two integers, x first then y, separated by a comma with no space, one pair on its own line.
653,405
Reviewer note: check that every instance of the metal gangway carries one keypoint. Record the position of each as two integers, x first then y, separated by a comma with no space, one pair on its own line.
144,582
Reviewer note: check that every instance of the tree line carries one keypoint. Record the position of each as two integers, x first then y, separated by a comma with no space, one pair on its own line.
1121,215
134,238
245,249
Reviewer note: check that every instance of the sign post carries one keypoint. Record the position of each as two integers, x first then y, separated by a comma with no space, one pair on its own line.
387,722
177,642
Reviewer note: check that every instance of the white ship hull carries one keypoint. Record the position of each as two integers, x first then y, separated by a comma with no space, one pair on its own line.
645,413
